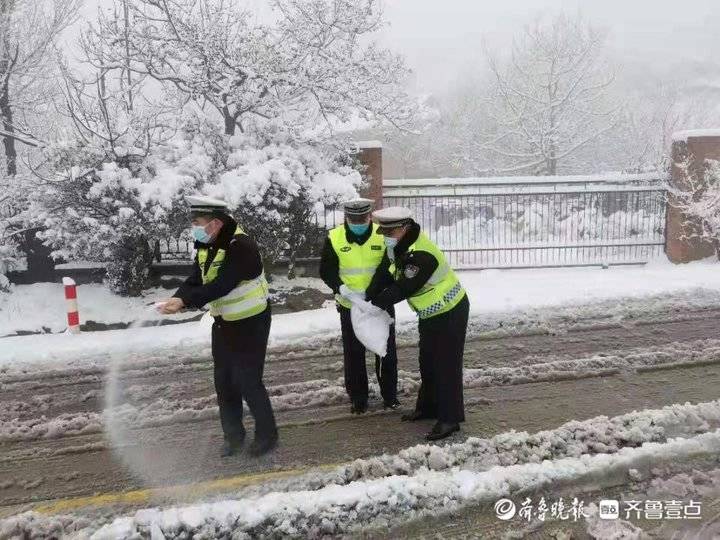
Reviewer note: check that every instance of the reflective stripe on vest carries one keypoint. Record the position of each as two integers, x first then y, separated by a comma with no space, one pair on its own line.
248,298
357,264
443,290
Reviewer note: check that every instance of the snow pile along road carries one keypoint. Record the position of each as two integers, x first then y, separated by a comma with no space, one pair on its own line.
382,503
424,480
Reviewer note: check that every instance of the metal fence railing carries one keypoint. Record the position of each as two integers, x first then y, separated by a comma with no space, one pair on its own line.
494,224
561,227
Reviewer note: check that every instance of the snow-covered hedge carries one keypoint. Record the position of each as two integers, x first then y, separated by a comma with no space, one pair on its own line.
278,188
113,207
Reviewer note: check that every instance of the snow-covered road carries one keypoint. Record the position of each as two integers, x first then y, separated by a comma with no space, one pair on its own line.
53,442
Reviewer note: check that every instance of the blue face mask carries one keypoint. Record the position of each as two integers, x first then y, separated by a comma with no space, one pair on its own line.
390,242
358,229
200,234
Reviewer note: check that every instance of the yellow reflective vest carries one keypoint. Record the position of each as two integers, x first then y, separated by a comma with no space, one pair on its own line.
248,298
357,263
443,290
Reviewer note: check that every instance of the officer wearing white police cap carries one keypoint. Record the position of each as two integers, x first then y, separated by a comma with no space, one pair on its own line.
358,207
351,253
392,217
228,275
200,204
416,270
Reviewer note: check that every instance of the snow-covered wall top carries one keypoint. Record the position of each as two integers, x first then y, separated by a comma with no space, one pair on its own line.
683,136
368,144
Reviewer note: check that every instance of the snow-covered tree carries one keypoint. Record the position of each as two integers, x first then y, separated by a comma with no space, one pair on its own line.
116,181
111,202
10,231
109,206
549,97
313,66
421,148
643,138
103,193
29,30
279,189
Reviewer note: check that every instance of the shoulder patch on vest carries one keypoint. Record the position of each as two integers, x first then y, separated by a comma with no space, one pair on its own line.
345,249
411,271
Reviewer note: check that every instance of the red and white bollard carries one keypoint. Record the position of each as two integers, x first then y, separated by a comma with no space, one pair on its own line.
73,317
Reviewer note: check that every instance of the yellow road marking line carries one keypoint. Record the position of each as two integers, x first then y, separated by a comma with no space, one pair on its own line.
188,491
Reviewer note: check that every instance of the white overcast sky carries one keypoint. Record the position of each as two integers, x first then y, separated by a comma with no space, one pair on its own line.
441,39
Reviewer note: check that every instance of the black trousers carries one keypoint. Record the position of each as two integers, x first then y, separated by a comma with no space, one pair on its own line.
442,343
238,350
356,378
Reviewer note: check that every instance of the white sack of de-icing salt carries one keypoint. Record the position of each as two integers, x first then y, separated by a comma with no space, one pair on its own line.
371,325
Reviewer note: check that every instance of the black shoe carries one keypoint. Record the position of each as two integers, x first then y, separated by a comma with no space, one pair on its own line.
262,445
231,447
441,430
414,416
392,404
359,407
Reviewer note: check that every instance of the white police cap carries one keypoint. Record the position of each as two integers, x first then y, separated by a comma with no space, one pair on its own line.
392,216
205,205
358,207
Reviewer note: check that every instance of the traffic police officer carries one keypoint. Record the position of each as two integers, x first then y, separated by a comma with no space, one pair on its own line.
228,275
351,253
414,269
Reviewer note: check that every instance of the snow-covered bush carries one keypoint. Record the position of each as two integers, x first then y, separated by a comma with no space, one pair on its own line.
113,209
278,189
109,208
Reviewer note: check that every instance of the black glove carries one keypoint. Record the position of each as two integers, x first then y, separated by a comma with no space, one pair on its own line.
385,299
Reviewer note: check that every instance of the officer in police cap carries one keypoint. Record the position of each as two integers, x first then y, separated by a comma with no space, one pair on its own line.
351,253
228,275
414,269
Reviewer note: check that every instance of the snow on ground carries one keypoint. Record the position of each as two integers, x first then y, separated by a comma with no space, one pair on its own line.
41,307
166,404
519,298
425,480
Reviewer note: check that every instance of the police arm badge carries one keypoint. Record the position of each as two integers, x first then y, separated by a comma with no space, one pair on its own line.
411,271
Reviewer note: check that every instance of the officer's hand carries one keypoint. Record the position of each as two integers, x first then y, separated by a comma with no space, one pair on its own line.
171,305
347,292
383,300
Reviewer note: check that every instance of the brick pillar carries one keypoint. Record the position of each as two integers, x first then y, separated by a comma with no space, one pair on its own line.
370,155
693,147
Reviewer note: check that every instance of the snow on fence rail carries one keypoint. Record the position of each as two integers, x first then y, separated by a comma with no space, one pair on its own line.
517,221
512,184
496,223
